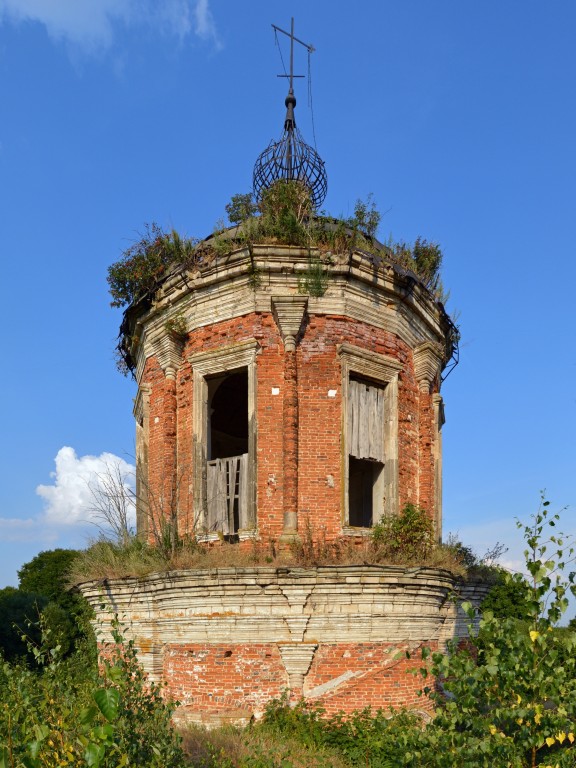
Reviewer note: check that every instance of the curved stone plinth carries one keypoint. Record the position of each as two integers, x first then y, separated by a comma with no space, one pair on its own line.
233,638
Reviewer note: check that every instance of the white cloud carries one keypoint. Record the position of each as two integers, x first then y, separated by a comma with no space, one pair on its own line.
14,529
92,24
204,26
70,499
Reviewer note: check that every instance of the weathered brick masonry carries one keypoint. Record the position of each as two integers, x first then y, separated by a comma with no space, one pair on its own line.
272,413
229,640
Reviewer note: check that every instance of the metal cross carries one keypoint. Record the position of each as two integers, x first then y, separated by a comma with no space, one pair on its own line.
290,34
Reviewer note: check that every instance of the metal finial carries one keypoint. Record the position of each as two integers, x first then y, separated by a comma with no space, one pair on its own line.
291,158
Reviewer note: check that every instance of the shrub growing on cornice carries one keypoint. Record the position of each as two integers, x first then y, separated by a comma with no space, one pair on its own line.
145,263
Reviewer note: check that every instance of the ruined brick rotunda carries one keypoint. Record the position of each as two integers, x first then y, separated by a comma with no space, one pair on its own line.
286,392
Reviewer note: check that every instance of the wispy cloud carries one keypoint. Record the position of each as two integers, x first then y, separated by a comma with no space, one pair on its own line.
92,25
204,26
505,531
14,529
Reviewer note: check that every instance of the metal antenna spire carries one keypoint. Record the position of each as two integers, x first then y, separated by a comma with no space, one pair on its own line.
291,158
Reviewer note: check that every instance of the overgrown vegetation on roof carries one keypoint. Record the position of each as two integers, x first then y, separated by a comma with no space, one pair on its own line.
283,215
406,540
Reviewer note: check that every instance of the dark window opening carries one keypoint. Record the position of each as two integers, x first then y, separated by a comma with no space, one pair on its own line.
362,480
227,453
228,415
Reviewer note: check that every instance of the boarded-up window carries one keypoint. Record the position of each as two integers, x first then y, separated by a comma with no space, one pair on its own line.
224,445
227,503
366,421
370,389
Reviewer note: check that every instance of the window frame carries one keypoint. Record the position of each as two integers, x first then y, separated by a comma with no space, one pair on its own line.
206,364
384,371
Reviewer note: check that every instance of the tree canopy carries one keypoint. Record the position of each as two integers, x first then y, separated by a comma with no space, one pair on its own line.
47,573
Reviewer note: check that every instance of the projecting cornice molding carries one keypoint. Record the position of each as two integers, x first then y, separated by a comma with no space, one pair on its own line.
297,658
168,351
289,313
428,359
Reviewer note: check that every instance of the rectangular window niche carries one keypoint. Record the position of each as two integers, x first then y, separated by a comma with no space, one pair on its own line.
370,431
224,443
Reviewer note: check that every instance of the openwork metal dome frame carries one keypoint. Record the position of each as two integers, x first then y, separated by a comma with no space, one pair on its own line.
291,158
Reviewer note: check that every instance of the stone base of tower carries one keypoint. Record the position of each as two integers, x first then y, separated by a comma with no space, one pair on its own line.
228,641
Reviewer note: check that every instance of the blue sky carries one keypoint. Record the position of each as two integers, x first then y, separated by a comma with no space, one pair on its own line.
460,118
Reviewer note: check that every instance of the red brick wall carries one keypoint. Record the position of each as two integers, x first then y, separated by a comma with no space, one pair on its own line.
382,677
184,401
214,678
162,445
320,489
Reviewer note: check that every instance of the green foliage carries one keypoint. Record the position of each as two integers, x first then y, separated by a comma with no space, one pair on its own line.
17,609
505,699
143,722
241,207
47,573
424,259
406,541
427,262
314,281
362,738
462,552
286,206
145,263
65,613
257,746
510,597
176,326
70,713
509,697
284,214
409,535
366,216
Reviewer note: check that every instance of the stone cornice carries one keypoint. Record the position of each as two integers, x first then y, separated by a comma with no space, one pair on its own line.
168,351
289,606
235,285
289,314
428,359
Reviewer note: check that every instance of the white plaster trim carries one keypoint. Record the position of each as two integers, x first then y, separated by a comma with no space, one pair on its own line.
289,313
140,402
225,358
351,530
428,358
223,290
168,352
205,363
384,369
331,685
297,658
